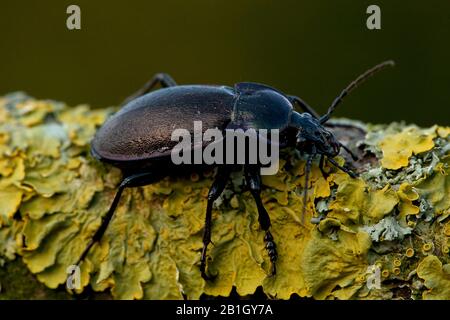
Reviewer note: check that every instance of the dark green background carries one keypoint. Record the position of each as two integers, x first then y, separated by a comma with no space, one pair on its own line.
308,48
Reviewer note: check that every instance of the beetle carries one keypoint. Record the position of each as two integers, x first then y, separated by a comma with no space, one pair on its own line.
137,139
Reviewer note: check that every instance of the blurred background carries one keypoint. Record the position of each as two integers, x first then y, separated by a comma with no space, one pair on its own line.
308,48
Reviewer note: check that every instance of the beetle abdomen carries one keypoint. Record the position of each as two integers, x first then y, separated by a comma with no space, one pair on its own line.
142,129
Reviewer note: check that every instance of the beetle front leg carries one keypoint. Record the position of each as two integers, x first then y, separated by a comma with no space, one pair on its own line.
307,173
215,191
253,178
350,152
321,164
160,78
347,171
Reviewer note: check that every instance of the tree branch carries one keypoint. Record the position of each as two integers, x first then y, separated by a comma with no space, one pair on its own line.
383,235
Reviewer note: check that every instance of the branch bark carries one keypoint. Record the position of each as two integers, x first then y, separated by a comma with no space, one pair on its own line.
383,235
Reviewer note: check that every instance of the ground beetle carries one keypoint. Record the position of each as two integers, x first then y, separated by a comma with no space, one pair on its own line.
137,139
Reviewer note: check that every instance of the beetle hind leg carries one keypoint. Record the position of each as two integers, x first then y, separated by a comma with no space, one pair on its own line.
253,178
215,191
134,180
160,78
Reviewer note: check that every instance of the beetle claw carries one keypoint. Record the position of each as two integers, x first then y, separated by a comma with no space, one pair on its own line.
205,275
273,269
272,252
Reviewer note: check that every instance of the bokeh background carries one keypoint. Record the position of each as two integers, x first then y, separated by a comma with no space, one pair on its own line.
307,48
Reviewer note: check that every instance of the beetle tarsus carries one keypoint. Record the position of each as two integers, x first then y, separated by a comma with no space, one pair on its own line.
215,191
271,248
205,275
206,242
253,178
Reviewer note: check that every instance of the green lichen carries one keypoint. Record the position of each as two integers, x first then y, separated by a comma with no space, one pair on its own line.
53,194
387,229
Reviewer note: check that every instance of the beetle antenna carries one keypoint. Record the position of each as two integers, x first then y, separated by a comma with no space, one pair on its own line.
354,84
305,190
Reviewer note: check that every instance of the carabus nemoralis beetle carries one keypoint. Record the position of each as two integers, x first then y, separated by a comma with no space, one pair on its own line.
137,139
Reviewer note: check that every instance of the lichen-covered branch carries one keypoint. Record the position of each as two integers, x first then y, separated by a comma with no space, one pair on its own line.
393,221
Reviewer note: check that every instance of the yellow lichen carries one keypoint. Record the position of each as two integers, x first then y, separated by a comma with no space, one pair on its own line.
443,132
407,194
354,201
409,252
411,224
341,263
447,229
436,189
427,247
437,278
398,148
53,194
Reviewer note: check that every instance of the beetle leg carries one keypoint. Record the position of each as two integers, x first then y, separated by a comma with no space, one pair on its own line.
253,178
305,190
134,180
304,106
350,152
347,171
215,191
160,78
321,164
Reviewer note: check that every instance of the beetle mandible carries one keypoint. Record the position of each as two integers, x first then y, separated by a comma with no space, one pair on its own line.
137,139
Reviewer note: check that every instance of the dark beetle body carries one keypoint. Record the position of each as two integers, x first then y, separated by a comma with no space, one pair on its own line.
142,129
140,133
137,139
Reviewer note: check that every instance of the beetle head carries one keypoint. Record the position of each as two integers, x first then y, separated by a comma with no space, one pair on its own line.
312,135
313,138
